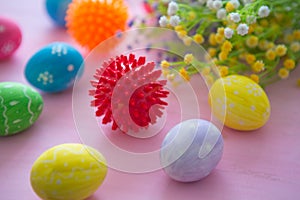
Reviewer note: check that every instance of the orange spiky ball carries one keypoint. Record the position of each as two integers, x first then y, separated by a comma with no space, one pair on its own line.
90,22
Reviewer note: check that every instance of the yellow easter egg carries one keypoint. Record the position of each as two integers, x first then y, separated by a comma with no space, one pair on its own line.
239,102
68,172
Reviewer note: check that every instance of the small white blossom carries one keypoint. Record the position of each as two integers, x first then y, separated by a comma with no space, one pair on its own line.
172,8
235,3
235,17
163,21
264,11
210,4
228,32
174,20
222,13
251,19
242,29
217,4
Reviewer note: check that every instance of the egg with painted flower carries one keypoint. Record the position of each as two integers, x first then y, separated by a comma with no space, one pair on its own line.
68,172
20,107
240,102
54,67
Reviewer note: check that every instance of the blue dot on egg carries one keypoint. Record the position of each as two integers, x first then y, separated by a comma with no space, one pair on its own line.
57,9
54,67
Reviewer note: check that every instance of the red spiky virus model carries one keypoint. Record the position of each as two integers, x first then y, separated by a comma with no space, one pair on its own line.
128,93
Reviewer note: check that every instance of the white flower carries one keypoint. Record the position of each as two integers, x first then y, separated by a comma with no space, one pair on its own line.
264,11
217,4
221,14
163,21
235,3
174,20
251,19
242,29
228,32
210,4
235,17
172,8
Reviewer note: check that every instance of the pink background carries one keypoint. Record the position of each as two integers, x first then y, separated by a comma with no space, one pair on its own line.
260,165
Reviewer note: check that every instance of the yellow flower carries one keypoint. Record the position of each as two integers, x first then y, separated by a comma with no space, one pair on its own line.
263,44
223,70
226,46
184,74
298,82
271,54
212,39
296,34
264,23
281,50
289,64
250,58
288,38
178,28
181,34
258,66
205,71
270,45
229,7
187,41
198,38
164,64
192,15
255,78
219,38
295,47
188,58
221,31
251,28
283,73
223,55
252,41
212,52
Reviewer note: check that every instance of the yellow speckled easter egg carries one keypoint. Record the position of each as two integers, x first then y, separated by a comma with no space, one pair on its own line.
240,102
68,172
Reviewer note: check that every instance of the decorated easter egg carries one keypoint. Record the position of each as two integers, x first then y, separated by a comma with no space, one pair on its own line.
54,67
68,172
10,37
57,10
20,107
245,103
191,150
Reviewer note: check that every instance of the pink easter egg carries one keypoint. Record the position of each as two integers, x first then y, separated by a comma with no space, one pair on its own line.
10,37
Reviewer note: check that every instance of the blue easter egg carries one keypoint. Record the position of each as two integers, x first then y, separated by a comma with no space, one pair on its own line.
57,10
191,150
54,67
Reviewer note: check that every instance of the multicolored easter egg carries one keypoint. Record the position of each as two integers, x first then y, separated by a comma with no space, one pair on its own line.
20,107
245,103
54,67
57,10
68,172
191,150
10,37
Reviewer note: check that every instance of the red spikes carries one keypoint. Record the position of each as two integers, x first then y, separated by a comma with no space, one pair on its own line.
128,80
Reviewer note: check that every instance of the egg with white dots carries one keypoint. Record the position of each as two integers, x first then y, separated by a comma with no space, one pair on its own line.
191,150
20,107
68,172
54,67
10,37
240,103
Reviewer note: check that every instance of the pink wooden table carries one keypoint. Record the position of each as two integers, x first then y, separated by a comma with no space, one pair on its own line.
259,165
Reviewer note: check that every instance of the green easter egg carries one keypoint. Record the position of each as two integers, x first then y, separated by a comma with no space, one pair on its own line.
20,107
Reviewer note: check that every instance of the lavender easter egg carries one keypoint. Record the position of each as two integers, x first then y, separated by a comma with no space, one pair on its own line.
191,150
10,37
20,107
57,10
54,67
